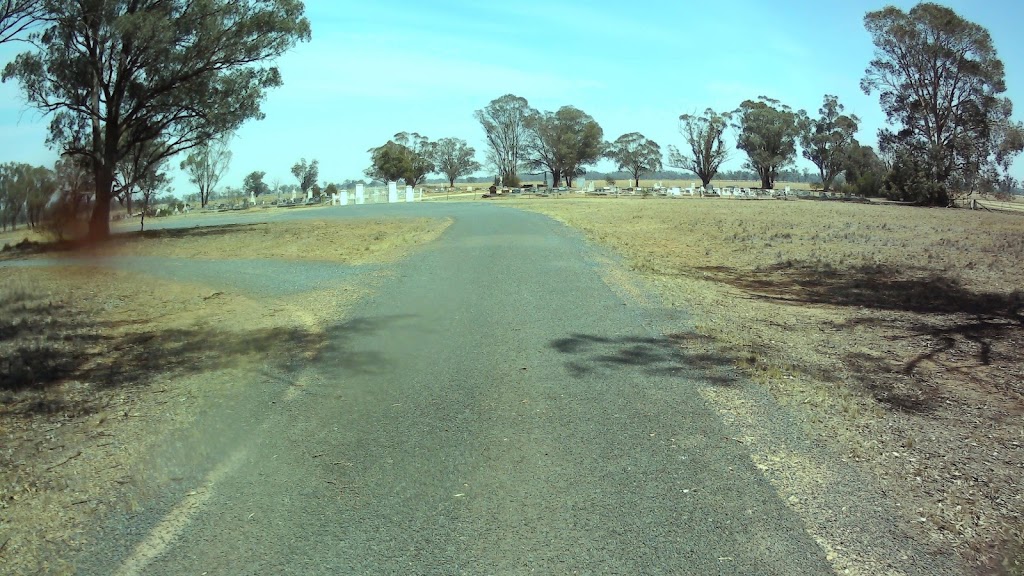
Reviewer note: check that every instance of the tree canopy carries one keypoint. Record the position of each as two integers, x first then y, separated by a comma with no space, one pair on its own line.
420,152
407,157
827,140
506,122
635,154
206,164
454,158
563,142
306,173
17,16
767,133
389,162
116,75
704,139
254,184
938,79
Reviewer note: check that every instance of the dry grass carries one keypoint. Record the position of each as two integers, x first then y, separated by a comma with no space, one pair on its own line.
341,241
897,331
99,367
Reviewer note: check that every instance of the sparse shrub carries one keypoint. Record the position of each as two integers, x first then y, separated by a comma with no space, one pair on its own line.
66,217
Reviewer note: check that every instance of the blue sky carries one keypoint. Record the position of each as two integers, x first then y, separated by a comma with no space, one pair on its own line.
374,68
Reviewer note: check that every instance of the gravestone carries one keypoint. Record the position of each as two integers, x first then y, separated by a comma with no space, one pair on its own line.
582,183
392,192
360,194
675,192
252,198
293,195
343,198
410,195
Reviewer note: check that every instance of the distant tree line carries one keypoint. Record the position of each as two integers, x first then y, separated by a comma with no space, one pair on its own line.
939,82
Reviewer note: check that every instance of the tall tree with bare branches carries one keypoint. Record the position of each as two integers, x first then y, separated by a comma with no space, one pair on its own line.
704,138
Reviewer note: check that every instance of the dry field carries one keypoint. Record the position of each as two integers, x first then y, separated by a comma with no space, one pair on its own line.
897,333
99,367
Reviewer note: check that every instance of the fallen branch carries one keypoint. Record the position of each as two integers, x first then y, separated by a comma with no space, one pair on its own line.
68,459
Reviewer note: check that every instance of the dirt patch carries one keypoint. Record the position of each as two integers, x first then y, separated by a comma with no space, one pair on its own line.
99,367
896,332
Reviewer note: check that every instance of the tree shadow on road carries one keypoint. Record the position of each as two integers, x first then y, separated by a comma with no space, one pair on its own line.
676,355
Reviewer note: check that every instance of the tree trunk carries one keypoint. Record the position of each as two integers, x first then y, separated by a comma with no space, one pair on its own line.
766,178
99,222
705,181
636,180
556,178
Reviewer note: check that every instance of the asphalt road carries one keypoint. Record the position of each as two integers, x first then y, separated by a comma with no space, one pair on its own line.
493,408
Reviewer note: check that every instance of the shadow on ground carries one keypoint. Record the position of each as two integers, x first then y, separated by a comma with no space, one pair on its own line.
44,344
933,316
675,355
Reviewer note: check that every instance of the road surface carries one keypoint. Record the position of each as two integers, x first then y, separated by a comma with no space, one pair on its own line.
493,408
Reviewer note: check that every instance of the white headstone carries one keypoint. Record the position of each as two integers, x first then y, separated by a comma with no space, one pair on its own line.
343,198
392,192
675,191
787,190
590,186
409,194
360,194
293,195
582,183
252,198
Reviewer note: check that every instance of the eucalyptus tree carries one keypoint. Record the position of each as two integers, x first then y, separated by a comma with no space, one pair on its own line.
563,142
17,17
827,140
306,173
939,81
454,158
206,165
421,157
767,133
704,136
116,75
506,123
635,154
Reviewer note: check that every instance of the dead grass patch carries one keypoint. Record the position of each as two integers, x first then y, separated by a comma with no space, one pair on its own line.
897,332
